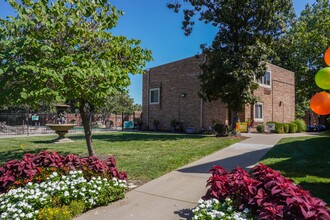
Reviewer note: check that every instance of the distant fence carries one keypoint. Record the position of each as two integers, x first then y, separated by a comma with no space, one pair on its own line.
33,123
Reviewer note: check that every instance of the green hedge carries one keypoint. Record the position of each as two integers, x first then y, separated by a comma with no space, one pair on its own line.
260,128
286,127
301,125
279,128
293,128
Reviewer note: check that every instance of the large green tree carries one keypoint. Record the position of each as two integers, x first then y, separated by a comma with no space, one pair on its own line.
246,30
301,50
64,50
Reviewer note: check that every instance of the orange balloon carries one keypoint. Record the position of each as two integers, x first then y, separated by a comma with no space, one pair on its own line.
320,103
327,56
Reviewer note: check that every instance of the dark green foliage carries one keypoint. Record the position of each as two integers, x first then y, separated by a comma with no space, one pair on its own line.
302,48
246,30
261,128
286,127
222,130
293,128
301,125
279,128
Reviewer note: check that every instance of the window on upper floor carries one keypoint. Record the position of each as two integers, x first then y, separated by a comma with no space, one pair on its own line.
258,111
265,79
154,96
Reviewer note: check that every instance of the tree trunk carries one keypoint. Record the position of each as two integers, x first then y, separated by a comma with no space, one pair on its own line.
233,119
85,117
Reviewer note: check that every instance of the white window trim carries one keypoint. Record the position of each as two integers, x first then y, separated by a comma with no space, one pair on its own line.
151,90
254,112
270,80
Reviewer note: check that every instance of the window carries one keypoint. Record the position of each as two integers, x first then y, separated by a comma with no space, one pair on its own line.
265,79
154,96
259,112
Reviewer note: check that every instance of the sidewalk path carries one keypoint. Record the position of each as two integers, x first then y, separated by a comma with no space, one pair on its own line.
173,195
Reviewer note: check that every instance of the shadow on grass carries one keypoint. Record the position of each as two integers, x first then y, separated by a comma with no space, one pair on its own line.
320,190
307,159
302,157
134,136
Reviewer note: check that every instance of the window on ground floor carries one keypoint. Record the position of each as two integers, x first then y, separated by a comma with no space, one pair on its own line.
258,112
154,96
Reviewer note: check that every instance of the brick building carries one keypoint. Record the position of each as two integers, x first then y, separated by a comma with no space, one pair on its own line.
170,92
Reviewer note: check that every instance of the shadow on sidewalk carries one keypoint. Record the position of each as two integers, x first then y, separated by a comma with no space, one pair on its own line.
184,213
244,161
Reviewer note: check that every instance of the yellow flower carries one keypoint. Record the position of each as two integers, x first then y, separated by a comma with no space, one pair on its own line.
22,146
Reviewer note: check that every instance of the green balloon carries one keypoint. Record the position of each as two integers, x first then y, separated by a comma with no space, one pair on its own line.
322,78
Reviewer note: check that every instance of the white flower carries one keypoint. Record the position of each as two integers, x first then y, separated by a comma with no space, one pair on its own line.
29,215
66,193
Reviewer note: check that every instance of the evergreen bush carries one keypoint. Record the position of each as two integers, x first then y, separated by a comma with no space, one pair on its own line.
286,127
260,128
301,125
293,128
279,128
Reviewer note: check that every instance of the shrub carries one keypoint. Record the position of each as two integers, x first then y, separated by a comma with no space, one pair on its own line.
223,130
268,195
301,125
220,129
292,128
286,127
37,167
261,128
279,128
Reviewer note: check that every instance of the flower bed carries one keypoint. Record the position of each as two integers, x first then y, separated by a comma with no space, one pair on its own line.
48,185
264,195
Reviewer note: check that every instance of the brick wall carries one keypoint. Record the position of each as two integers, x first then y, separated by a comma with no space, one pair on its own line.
180,77
175,79
279,100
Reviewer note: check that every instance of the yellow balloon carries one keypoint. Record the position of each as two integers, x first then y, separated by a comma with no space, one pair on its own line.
322,78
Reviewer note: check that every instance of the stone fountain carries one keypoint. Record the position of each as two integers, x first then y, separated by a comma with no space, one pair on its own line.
61,127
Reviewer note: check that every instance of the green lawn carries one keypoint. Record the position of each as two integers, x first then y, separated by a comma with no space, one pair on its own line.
144,156
306,160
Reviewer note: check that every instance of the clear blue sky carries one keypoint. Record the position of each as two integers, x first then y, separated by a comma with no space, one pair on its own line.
160,31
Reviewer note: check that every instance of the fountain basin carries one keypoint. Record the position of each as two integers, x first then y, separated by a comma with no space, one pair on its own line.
61,130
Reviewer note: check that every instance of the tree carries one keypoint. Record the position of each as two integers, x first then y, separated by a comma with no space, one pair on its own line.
118,104
301,50
137,107
246,29
64,50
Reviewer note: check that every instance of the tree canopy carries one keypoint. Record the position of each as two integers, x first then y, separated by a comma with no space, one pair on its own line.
62,50
246,30
302,49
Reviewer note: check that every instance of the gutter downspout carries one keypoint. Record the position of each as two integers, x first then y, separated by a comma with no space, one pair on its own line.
201,116
148,88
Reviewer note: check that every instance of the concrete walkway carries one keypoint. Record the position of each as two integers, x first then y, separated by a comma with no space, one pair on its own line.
174,194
